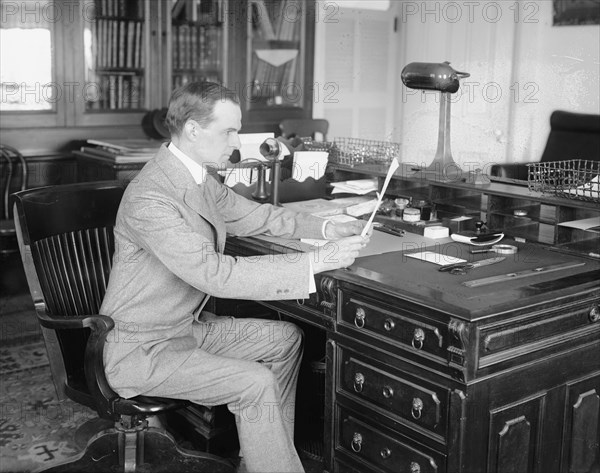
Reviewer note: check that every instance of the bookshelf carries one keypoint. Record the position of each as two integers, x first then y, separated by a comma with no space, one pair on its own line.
115,62
271,51
197,36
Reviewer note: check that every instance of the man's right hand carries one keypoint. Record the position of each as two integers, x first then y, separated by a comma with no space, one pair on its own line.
337,254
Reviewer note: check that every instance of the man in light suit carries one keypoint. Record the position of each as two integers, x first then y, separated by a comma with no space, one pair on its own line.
169,236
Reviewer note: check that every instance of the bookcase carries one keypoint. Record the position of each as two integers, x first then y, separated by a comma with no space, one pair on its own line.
271,51
197,35
109,62
115,62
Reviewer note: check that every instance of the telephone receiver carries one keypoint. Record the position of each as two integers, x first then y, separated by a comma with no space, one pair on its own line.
271,149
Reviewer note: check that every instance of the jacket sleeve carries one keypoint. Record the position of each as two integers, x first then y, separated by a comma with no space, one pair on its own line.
161,232
244,217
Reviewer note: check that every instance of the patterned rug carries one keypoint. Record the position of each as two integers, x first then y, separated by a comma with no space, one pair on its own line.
36,430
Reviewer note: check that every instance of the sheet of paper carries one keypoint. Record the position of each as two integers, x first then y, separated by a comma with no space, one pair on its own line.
589,224
393,166
436,258
309,164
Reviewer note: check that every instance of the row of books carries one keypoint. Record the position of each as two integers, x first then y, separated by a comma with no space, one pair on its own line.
279,20
121,8
118,43
197,46
180,79
123,151
115,91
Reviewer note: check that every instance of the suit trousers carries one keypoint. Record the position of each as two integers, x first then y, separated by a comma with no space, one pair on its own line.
252,366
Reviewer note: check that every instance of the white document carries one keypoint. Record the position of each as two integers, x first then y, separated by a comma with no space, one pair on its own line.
436,258
393,166
309,164
358,186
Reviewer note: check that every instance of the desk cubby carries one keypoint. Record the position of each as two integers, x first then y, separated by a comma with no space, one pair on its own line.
494,203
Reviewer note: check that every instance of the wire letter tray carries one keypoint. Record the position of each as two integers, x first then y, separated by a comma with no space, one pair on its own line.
353,151
573,179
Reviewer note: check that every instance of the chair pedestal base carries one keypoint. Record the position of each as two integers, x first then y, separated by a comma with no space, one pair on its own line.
161,455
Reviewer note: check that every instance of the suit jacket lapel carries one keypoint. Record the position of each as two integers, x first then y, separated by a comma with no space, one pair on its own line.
200,198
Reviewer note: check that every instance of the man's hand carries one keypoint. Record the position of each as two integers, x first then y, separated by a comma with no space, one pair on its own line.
337,230
338,254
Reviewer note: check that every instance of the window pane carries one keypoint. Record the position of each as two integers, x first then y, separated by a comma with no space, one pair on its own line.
26,55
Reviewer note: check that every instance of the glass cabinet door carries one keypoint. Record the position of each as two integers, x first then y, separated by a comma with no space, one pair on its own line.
276,53
197,33
115,68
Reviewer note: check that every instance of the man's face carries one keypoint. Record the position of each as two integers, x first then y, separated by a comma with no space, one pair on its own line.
217,140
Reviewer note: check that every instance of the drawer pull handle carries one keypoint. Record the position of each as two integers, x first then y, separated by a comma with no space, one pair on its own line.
359,319
387,392
415,467
594,314
417,408
389,325
359,381
418,338
356,442
385,453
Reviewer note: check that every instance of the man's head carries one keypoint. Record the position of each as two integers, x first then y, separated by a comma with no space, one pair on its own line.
204,119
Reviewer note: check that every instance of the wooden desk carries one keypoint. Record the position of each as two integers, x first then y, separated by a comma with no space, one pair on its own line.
424,374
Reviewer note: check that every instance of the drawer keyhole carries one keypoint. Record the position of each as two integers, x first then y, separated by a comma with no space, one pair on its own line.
387,392
389,325
356,442
385,453
359,381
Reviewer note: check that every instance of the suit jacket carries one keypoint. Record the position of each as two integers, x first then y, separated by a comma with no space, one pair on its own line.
169,240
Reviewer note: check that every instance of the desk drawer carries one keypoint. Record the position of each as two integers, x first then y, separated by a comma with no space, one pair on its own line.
365,443
394,325
414,404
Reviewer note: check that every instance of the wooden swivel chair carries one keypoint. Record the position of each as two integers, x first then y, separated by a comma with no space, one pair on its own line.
304,128
15,177
66,240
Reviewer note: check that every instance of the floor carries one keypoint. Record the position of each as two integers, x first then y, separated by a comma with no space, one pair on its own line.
15,299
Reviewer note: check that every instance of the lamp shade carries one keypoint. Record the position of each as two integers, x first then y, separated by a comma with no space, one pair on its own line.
432,76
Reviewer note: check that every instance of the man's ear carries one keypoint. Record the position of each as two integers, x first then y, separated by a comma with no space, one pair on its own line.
191,130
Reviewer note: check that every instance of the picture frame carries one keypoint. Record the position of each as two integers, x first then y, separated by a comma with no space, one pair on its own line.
576,12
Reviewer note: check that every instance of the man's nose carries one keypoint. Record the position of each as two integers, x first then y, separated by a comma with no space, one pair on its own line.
235,141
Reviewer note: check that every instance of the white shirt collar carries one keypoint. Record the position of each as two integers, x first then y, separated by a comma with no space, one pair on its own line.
197,171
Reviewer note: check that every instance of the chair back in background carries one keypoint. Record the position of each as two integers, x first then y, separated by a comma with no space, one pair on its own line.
304,128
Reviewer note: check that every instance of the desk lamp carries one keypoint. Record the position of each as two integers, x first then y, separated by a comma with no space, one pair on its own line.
442,77
273,151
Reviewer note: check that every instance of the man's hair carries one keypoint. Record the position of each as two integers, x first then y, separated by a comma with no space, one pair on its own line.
196,101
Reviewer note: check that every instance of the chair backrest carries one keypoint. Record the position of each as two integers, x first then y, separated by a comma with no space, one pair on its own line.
305,127
572,136
66,241
15,176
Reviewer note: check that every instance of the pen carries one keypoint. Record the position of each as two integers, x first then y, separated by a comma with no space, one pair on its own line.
390,230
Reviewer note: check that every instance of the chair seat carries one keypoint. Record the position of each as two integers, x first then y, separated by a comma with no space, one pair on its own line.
143,405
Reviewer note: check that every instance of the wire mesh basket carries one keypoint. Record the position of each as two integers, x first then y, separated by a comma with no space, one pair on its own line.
573,179
353,151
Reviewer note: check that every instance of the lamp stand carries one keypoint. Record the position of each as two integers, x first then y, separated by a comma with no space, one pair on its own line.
443,163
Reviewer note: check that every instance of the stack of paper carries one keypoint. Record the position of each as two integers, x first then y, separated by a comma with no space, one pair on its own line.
358,186
123,150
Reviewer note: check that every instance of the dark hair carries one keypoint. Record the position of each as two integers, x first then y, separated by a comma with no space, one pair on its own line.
196,101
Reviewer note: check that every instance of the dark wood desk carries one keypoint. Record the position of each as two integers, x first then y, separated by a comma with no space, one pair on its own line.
424,374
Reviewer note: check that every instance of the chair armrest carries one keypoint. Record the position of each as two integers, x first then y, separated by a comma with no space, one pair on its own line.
518,171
